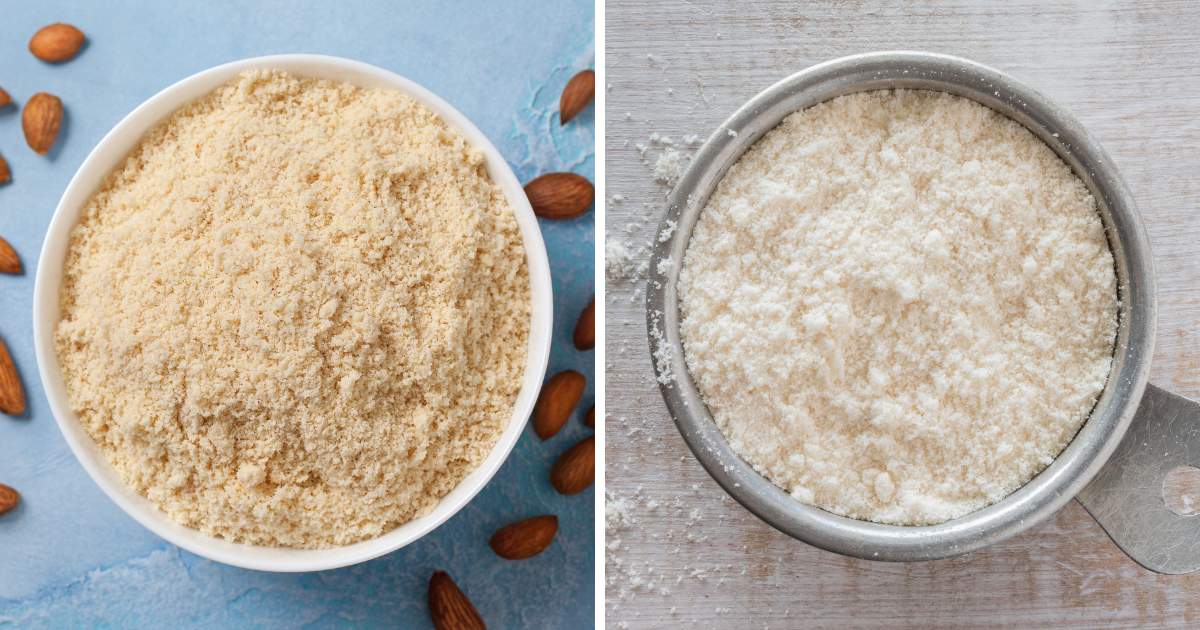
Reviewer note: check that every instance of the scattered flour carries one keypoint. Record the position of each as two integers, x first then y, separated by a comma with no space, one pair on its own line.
631,514
670,166
670,163
899,306
667,231
660,350
663,155
620,263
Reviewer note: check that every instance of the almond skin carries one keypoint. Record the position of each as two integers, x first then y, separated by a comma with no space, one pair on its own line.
9,262
585,328
41,120
56,43
449,606
590,418
580,91
525,539
5,99
575,469
5,174
12,395
560,195
555,403
9,498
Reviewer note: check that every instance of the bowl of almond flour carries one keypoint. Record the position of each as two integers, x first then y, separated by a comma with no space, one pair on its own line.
904,308
293,312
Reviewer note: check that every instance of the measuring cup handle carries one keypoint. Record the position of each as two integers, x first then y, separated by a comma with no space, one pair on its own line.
1126,498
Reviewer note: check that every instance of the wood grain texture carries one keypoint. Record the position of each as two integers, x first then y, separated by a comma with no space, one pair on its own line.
681,552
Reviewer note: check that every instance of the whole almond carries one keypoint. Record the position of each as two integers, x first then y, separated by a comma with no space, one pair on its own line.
9,498
41,120
590,418
5,174
525,539
449,606
580,91
5,99
12,395
556,401
56,43
560,195
9,262
585,328
576,468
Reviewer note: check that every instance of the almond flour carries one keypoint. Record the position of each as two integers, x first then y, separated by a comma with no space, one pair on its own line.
899,306
297,314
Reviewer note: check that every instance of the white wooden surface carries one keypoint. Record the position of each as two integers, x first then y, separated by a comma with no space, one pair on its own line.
685,553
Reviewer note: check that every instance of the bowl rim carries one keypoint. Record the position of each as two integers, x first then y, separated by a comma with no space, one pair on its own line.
1090,448
113,149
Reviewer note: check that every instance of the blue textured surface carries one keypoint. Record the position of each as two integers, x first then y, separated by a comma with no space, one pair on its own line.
69,556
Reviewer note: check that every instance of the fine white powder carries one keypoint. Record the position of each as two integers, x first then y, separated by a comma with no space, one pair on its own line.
899,306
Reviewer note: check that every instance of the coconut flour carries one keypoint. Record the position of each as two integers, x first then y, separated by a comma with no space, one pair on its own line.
899,306
297,314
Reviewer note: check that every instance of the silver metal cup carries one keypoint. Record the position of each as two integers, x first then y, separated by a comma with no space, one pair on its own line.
1131,523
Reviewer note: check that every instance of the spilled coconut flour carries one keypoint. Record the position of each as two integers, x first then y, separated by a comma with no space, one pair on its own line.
297,314
899,306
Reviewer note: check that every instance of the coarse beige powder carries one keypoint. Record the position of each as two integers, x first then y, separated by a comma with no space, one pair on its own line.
899,306
297,314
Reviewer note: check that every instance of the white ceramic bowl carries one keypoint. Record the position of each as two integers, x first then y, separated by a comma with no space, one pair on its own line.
112,150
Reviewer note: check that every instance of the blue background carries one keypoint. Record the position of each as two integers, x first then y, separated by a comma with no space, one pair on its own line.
68,556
